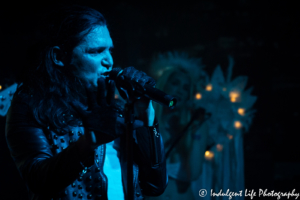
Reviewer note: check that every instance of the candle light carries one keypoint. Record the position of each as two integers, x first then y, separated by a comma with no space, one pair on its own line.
209,87
241,111
233,96
219,147
198,96
237,124
209,155
229,136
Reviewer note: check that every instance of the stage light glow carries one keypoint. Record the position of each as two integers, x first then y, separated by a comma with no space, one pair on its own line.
209,155
241,111
219,147
233,96
198,96
237,124
209,87
229,136
0,87
116,96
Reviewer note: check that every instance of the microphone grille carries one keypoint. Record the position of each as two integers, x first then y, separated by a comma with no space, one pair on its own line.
114,72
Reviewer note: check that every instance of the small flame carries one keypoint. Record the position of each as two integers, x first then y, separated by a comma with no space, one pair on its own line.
229,136
209,87
241,111
237,124
198,96
209,155
233,96
219,147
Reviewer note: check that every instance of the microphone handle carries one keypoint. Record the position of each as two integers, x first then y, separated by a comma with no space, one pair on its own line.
159,96
147,91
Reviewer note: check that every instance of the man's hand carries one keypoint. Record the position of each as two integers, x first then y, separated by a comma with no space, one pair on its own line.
100,117
143,108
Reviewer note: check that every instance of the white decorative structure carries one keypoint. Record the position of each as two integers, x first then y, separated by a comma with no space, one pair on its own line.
232,113
193,66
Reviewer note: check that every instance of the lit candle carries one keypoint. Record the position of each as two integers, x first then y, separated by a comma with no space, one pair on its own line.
198,96
229,136
209,87
209,155
233,96
219,147
241,111
237,124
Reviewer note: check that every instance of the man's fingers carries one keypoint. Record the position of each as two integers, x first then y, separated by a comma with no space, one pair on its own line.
142,78
151,81
138,76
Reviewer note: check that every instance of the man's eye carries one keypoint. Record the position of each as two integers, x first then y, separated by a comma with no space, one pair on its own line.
93,52
96,51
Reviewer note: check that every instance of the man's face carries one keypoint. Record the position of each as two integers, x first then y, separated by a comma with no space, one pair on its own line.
92,57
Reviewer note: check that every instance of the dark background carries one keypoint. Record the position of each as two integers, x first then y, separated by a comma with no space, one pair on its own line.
262,36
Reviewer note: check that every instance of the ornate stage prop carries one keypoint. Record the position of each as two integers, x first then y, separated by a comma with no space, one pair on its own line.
231,108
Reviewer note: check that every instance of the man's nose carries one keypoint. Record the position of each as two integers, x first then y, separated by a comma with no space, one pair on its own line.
107,62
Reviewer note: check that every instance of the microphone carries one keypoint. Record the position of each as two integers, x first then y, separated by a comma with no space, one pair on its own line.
138,90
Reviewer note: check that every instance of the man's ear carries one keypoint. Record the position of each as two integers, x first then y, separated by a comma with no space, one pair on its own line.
57,56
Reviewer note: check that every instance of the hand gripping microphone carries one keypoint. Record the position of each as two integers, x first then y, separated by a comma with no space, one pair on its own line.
146,90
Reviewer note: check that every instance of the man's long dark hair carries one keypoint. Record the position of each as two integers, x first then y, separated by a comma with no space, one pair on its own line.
51,87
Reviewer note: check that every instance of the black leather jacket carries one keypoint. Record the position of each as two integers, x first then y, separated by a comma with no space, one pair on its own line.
49,164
